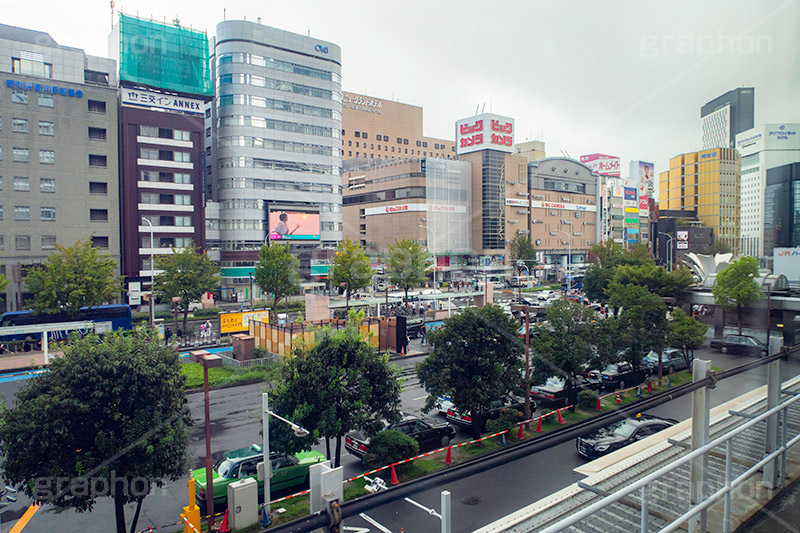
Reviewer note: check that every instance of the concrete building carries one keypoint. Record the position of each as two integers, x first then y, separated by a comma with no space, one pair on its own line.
375,128
726,116
762,148
276,153
782,208
706,182
687,235
164,84
58,153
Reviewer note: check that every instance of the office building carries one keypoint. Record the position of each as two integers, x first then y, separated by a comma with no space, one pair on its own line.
164,84
782,208
677,233
275,160
762,148
706,182
726,116
58,153
375,128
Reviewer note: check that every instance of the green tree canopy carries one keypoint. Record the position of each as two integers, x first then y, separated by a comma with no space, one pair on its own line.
408,262
736,286
522,249
351,268
606,257
3,283
338,386
277,273
685,333
642,323
655,278
77,276
186,275
112,407
476,359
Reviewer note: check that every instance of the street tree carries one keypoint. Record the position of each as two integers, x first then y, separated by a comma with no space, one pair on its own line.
656,279
408,262
339,385
606,257
476,358
110,418
74,277
736,286
277,273
641,323
351,268
686,333
3,283
186,275
522,249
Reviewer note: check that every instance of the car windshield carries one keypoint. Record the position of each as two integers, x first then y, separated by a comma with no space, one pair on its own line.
611,368
554,381
652,356
224,467
623,428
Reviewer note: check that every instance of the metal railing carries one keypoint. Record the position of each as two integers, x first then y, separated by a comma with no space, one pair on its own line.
730,482
228,360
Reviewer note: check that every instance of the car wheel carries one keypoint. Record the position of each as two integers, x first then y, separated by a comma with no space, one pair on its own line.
445,441
724,349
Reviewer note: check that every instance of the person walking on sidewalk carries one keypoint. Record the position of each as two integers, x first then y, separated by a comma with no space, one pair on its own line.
423,331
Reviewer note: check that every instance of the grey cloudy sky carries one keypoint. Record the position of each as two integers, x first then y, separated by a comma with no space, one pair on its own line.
620,77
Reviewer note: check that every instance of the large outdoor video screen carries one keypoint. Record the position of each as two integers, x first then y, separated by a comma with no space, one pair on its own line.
293,225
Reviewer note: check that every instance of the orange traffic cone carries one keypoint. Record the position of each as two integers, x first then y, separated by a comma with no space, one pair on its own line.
649,386
539,425
520,436
560,418
394,480
619,397
448,460
224,527
599,407
402,350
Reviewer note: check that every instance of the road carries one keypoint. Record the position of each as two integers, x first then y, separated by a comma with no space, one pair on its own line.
476,501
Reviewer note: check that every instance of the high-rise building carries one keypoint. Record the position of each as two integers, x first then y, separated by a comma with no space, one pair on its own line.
58,153
164,85
275,160
706,182
726,116
782,208
762,148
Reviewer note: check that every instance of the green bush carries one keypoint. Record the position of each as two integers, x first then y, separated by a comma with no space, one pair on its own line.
508,419
587,399
389,447
166,315
207,313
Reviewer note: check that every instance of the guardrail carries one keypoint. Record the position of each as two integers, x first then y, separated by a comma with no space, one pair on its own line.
229,361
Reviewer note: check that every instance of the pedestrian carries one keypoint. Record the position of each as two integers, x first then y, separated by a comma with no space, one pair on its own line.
208,329
167,336
202,331
423,331
180,334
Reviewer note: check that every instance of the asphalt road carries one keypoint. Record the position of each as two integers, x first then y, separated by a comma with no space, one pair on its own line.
477,500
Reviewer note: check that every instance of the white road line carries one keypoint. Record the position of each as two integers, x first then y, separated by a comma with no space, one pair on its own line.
374,523
414,399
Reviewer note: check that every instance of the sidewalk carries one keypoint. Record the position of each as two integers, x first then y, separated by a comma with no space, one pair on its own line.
23,361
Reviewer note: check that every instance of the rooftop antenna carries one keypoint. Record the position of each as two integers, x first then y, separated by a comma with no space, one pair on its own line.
176,21
309,31
224,12
259,20
112,14
477,107
484,108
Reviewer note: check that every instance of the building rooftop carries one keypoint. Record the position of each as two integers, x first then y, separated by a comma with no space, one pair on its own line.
39,38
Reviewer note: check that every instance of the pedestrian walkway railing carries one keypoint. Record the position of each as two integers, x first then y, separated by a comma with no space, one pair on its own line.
786,441
229,361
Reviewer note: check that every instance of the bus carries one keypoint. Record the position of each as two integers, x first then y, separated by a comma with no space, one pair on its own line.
105,318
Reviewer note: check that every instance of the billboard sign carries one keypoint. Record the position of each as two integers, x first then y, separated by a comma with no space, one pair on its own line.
239,321
643,199
786,261
486,131
630,193
560,205
134,293
646,172
420,207
682,240
293,225
604,164
137,97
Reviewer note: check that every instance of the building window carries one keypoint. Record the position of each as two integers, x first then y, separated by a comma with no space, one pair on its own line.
98,187
22,212
182,177
48,242
22,242
47,128
47,157
33,65
405,141
182,135
2,243
99,242
358,134
97,134
48,214
184,157
419,143
19,125
97,161
364,135
208,132
47,185
45,100
183,199
22,184
183,221
1,212
19,97
98,215
148,153
148,131
97,106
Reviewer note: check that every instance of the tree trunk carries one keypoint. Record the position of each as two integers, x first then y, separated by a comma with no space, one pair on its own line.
119,511
328,448
275,310
405,299
477,423
739,318
185,318
347,301
338,451
136,514
572,394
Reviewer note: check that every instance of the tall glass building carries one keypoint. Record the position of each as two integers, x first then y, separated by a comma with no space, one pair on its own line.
274,143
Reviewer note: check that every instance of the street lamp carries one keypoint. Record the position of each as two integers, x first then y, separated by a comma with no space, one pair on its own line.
209,361
298,431
569,256
152,270
433,250
669,248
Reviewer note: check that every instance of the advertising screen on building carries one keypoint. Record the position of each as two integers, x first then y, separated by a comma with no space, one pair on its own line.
630,193
646,172
604,164
293,225
485,132
786,261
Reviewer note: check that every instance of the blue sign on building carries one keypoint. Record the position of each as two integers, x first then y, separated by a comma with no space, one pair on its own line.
39,88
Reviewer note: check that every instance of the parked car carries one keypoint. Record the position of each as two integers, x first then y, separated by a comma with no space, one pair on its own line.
671,359
506,402
622,375
428,432
620,434
553,391
288,471
740,344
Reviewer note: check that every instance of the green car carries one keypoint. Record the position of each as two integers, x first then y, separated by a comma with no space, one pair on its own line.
288,471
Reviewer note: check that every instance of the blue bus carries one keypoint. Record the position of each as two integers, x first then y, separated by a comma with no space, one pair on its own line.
113,317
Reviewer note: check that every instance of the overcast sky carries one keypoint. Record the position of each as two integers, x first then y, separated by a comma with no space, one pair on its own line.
625,78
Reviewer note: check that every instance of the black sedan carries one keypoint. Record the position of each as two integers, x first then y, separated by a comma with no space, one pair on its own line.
553,391
671,359
428,432
740,344
622,375
620,434
495,408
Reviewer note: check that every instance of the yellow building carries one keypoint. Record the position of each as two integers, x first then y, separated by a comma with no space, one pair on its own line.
706,181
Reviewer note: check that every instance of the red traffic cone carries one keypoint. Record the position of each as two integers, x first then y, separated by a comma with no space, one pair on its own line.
224,527
394,480
598,407
539,425
560,418
649,386
402,350
448,460
520,436
619,397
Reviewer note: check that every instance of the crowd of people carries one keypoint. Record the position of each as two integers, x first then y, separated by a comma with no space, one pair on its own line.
206,330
